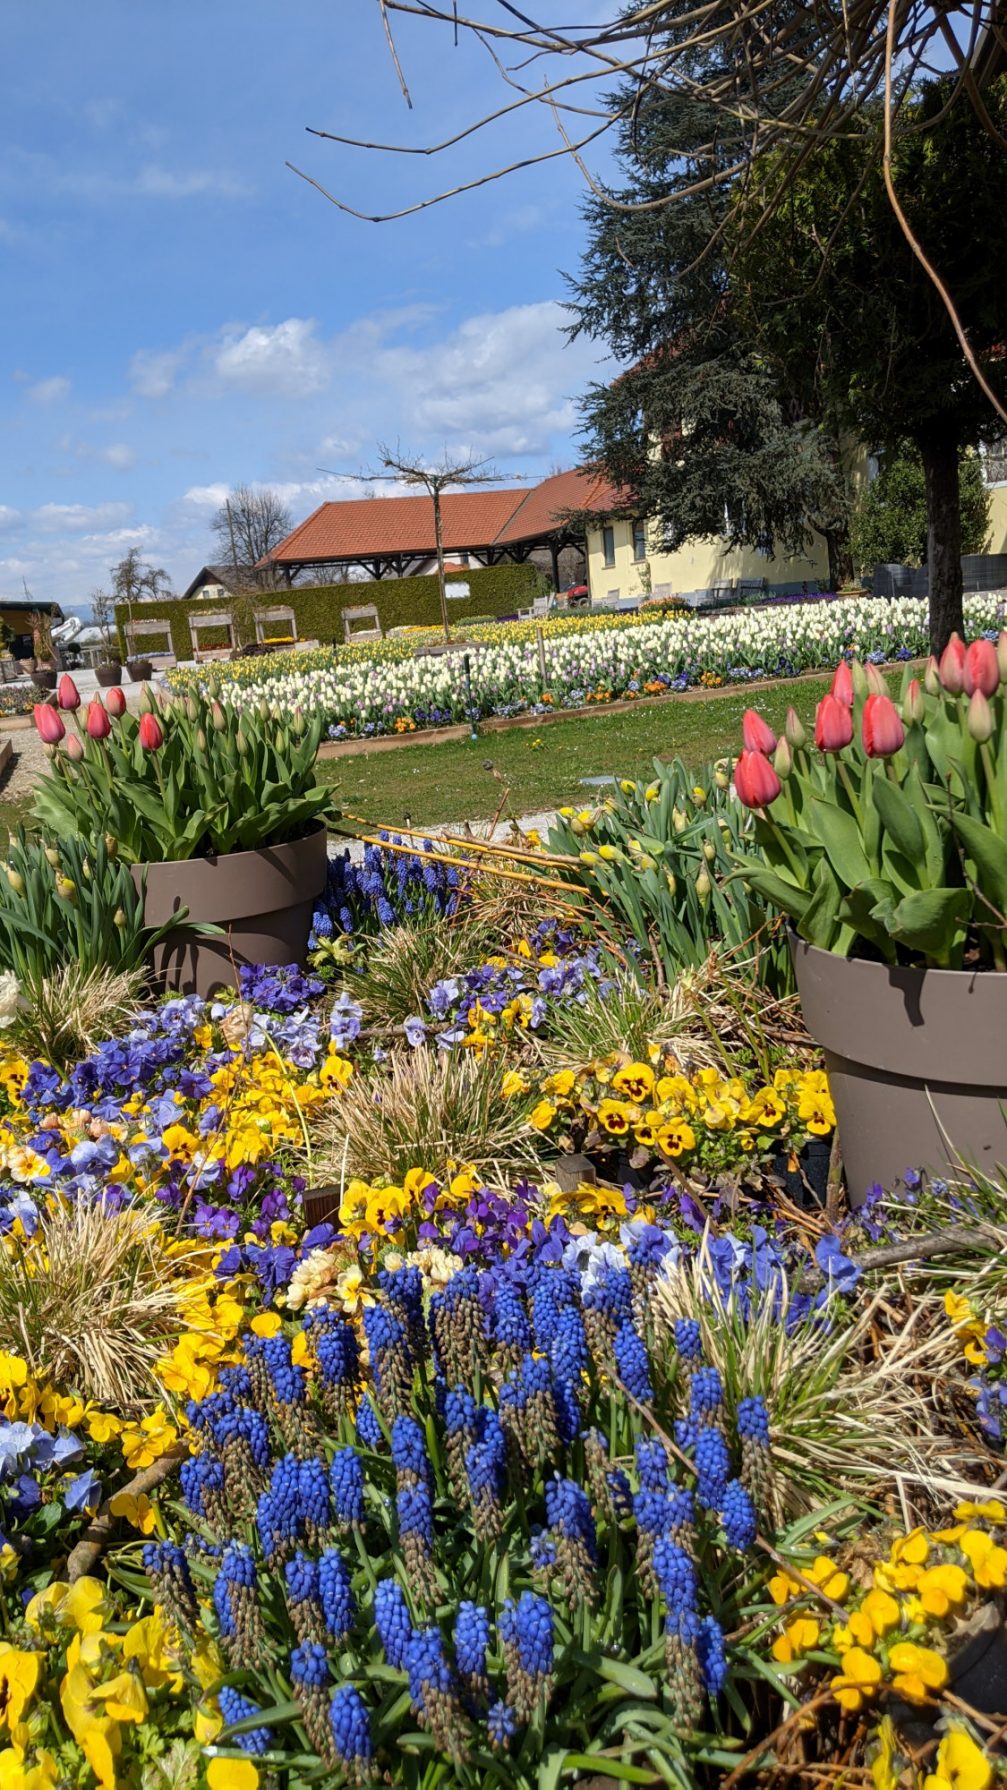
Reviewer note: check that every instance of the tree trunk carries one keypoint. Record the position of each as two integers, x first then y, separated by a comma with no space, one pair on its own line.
837,540
939,452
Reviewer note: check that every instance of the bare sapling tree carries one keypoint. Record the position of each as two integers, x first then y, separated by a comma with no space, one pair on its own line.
250,523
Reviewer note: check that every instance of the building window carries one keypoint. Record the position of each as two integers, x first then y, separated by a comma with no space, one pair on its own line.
639,538
608,545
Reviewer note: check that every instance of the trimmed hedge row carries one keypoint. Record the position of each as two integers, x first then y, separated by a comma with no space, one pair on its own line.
400,602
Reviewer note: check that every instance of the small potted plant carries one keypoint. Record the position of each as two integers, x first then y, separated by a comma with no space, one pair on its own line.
140,669
108,671
885,842
44,663
218,812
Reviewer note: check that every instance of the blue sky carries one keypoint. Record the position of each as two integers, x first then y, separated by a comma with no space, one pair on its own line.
181,313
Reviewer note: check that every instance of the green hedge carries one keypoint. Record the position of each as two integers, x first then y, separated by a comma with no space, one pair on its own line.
400,602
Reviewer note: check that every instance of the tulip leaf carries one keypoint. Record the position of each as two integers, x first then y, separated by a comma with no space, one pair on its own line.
928,920
899,818
989,854
841,837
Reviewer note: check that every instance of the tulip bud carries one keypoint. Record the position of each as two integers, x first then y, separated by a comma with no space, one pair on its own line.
98,724
794,730
952,666
218,719
833,725
912,702
979,719
115,701
200,739
191,709
241,742
783,758
875,682
932,677
111,845
67,693
842,684
699,796
722,779
53,856
589,857
67,889
50,726
982,671
263,709
74,748
757,733
882,729
1001,650
755,780
15,879
146,702
703,884
151,733
119,917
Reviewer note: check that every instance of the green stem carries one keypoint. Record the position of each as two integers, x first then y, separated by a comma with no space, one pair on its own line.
845,779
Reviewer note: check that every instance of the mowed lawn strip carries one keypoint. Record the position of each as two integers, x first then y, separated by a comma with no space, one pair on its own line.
539,770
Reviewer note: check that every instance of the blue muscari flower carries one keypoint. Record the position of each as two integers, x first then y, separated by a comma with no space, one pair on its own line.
569,1351
335,1594
646,1244
632,1363
472,1638
676,1577
236,1708
278,1511
619,1491
427,1667
415,1512
568,1512
511,1328
346,1479
737,1513
392,1621
551,1293
569,1417
681,1509
753,1420
460,1411
386,1340
486,1457
351,1726
403,1287
688,1339
313,1493
288,1381
301,1576
652,1464
205,1473
712,1658
542,1550
713,1467
528,1627
612,1293
338,1353
650,1509
409,1448
501,1724
706,1393
309,1665
369,1431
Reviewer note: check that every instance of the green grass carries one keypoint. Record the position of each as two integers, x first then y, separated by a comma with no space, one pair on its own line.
537,770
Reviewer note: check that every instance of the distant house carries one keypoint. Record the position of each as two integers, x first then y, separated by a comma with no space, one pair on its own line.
217,583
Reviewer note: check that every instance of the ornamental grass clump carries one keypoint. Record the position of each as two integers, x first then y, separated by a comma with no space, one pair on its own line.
888,838
511,1548
187,777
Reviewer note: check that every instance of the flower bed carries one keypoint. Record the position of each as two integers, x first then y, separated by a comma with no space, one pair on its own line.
366,1417
597,659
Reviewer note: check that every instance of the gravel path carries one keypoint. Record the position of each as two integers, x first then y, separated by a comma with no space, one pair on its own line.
27,766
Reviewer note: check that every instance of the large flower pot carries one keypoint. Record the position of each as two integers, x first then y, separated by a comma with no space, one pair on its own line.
917,1063
44,677
262,900
109,676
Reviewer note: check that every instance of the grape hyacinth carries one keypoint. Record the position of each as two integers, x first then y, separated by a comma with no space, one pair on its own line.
738,1517
300,1581
346,1482
309,1678
753,1433
171,1582
335,1595
433,1693
236,1603
236,1708
526,1631
486,1473
571,1526
392,1621
391,1358
676,1576
350,1730
472,1638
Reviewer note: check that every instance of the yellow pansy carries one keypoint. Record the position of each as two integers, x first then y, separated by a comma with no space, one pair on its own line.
635,1080
987,1559
797,1638
84,1606
266,1323
137,1510
886,1766
917,1670
991,1508
95,1733
13,1376
336,1072
542,1116
16,1775
20,1671
941,1587
960,1764
857,1680
144,1443
123,1697
351,1290
514,1085
207,1722
102,1426
675,1138
232,1774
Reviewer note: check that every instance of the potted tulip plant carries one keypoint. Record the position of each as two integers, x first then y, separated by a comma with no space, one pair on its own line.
217,812
885,842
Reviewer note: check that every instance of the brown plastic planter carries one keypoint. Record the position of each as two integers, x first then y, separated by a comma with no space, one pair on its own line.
917,1063
109,676
263,900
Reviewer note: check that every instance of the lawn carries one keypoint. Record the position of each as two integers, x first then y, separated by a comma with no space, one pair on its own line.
546,768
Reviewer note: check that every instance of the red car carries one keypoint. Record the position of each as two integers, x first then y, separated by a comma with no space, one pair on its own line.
577,594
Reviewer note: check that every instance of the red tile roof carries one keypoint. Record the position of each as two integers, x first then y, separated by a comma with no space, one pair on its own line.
368,526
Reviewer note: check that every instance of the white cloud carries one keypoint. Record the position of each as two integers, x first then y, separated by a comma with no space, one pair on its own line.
49,391
76,516
118,455
286,361
9,518
153,371
205,497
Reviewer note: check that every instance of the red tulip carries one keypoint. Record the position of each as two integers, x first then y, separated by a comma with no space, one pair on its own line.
755,780
151,733
952,665
842,684
982,672
833,725
756,733
883,732
67,693
115,701
98,724
74,747
49,725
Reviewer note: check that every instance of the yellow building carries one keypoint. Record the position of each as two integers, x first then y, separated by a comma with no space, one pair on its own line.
625,564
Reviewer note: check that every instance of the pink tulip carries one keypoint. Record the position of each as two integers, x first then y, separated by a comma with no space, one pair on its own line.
979,719
875,682
98,724
842,684
115,701
982,671
883,732
74,747
756,733
49,725
952,666
151,733
755,780
833,724
67,693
